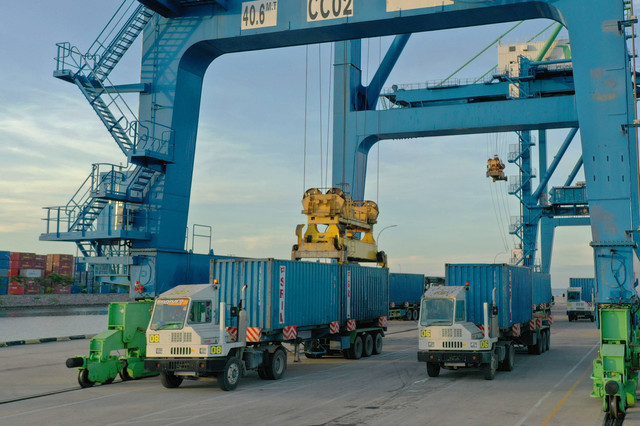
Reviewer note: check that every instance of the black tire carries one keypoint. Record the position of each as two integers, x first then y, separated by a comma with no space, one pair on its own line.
490,367
170,380
367,349
108,381
547,340
124,374
231,375
593,318
408,315
277,364
433,369
415,315
83,378
377,344
537,348
355,351
262,374
509,358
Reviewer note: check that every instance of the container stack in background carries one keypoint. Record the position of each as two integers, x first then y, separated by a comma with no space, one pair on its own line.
4,271
30,273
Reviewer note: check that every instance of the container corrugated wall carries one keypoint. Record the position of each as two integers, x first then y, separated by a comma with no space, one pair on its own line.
405,288
513,290
588,286
5,259
541,287
369,297
314,294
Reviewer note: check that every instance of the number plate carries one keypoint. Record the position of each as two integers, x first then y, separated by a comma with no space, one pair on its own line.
154,338
425,333
216,350
259,14
320,10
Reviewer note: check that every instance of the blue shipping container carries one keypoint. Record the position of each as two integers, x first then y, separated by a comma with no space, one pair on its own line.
4,272
307,295
513,290
541,287
588,286
405,288
4,288
5,257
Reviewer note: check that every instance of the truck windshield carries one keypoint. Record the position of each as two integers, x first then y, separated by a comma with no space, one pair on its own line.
436,312
169,314
573,296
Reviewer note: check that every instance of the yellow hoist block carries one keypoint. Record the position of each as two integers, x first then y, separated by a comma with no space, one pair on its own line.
337,228
495,169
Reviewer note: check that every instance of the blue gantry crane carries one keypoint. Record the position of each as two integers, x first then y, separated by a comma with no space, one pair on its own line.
131,220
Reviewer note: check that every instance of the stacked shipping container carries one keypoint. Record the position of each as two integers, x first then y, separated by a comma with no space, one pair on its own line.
23,273
4,271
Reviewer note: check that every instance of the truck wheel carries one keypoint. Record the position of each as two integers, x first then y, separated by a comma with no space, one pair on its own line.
491,367
377,344
277,364
547,340
230,377
415,315
593,318
355,351
262,374
537,348
509,358
83,378
367,349
433,369
408,315
170,380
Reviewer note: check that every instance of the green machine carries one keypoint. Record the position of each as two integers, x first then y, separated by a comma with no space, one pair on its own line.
128,322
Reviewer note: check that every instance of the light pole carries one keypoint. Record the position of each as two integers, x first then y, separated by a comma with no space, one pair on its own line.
378,237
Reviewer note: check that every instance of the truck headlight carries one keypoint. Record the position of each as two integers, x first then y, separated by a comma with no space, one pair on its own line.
431,344
158,351
203,351
473,345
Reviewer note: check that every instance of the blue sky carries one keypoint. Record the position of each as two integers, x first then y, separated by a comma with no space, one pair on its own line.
249,173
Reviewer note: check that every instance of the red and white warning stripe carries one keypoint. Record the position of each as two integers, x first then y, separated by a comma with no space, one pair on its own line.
334,327
382,321
290,332
550,319
392,304
538,322
515,329
351,325
254,334
480,326
532,324
233,333
406,304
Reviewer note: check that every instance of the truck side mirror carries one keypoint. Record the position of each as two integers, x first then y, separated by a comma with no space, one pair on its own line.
234,311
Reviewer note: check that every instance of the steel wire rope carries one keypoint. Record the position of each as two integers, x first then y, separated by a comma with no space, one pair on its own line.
505,193
378,122
497,200
329,104
496,212
304,155
320,108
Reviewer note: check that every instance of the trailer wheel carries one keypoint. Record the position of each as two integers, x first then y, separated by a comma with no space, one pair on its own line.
170,380
368,345
491,367
408,315
547,339
538,347
277,364
509,358
415,315
83,378
124,374
377,344
262,374
230,377
433,369
355,351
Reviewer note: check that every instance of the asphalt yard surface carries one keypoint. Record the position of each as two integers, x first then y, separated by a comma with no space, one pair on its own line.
390,388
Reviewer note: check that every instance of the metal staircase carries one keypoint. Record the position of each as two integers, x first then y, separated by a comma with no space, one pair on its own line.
103,213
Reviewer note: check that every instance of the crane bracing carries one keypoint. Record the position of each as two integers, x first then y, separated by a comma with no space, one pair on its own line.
138,214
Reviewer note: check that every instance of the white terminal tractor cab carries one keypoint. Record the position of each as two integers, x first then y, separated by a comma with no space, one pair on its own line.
187,339
448,340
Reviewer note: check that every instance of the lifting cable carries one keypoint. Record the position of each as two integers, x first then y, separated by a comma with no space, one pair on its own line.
306,82
320,109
